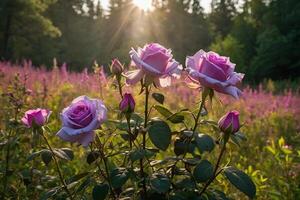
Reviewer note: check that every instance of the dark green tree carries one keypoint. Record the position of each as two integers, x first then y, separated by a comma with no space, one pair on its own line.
23,27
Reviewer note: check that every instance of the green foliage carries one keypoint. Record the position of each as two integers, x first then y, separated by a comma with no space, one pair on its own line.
241,181
100,191
160,134
203,171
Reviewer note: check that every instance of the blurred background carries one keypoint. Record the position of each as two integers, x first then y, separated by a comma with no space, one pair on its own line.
261,36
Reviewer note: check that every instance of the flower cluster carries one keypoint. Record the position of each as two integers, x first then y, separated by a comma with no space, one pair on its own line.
155,66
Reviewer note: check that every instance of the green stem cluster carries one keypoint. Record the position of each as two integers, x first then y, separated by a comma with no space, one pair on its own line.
216,172
65,187
144,194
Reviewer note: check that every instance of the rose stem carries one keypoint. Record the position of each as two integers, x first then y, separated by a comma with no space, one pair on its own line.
106,167
144,141
204,95
99,168
129,131
6,166
57,167
215,174
120,86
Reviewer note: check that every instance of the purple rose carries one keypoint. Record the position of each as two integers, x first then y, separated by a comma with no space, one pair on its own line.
80,119
155,63
230,123
127,104
37,116
214,71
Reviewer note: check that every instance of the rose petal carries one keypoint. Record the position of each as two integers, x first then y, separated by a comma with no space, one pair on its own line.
84,139
158,61
235,78
215,84
172,68
141,64
163,82
212,70
132,77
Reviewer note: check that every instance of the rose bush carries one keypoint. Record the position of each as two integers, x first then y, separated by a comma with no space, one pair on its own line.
161,153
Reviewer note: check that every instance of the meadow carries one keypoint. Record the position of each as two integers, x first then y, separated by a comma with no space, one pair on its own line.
270,121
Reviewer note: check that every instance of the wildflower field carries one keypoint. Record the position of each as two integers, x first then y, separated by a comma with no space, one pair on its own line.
160,161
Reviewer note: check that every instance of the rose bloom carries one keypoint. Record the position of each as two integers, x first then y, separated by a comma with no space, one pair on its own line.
80,119
37,116
155,63
230,123
214,71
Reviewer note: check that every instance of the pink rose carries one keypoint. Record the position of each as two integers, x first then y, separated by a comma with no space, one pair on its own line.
127,104
80,119
230,123
38,117
155,63
214,71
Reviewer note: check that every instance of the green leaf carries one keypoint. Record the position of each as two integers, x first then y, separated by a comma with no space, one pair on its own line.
160,183
176,118
204,142
69,152
203,171
218,195
241,136
160,134
100,191
77,177
163,111
33,155
119,176
84,184
139,154
136,118
49,194
46,156
61,154
92,156
160,98
241,181
186,183
181,147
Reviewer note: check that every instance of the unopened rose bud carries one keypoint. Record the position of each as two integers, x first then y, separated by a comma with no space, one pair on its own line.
116,67
230,123
127,104
35,117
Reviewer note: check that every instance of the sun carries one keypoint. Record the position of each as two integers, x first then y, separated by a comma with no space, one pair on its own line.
145,5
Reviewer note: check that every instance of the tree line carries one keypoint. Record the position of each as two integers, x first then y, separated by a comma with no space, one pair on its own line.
261,36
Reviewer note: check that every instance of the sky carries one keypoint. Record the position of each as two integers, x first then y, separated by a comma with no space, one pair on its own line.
204,3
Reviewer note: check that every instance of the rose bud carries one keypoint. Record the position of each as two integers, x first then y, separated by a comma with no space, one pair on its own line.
127,104
116,67
35,117
229,123
81,119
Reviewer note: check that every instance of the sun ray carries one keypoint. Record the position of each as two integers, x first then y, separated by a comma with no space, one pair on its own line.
145,5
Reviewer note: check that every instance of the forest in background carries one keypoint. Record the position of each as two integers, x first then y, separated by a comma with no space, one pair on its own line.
261,36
